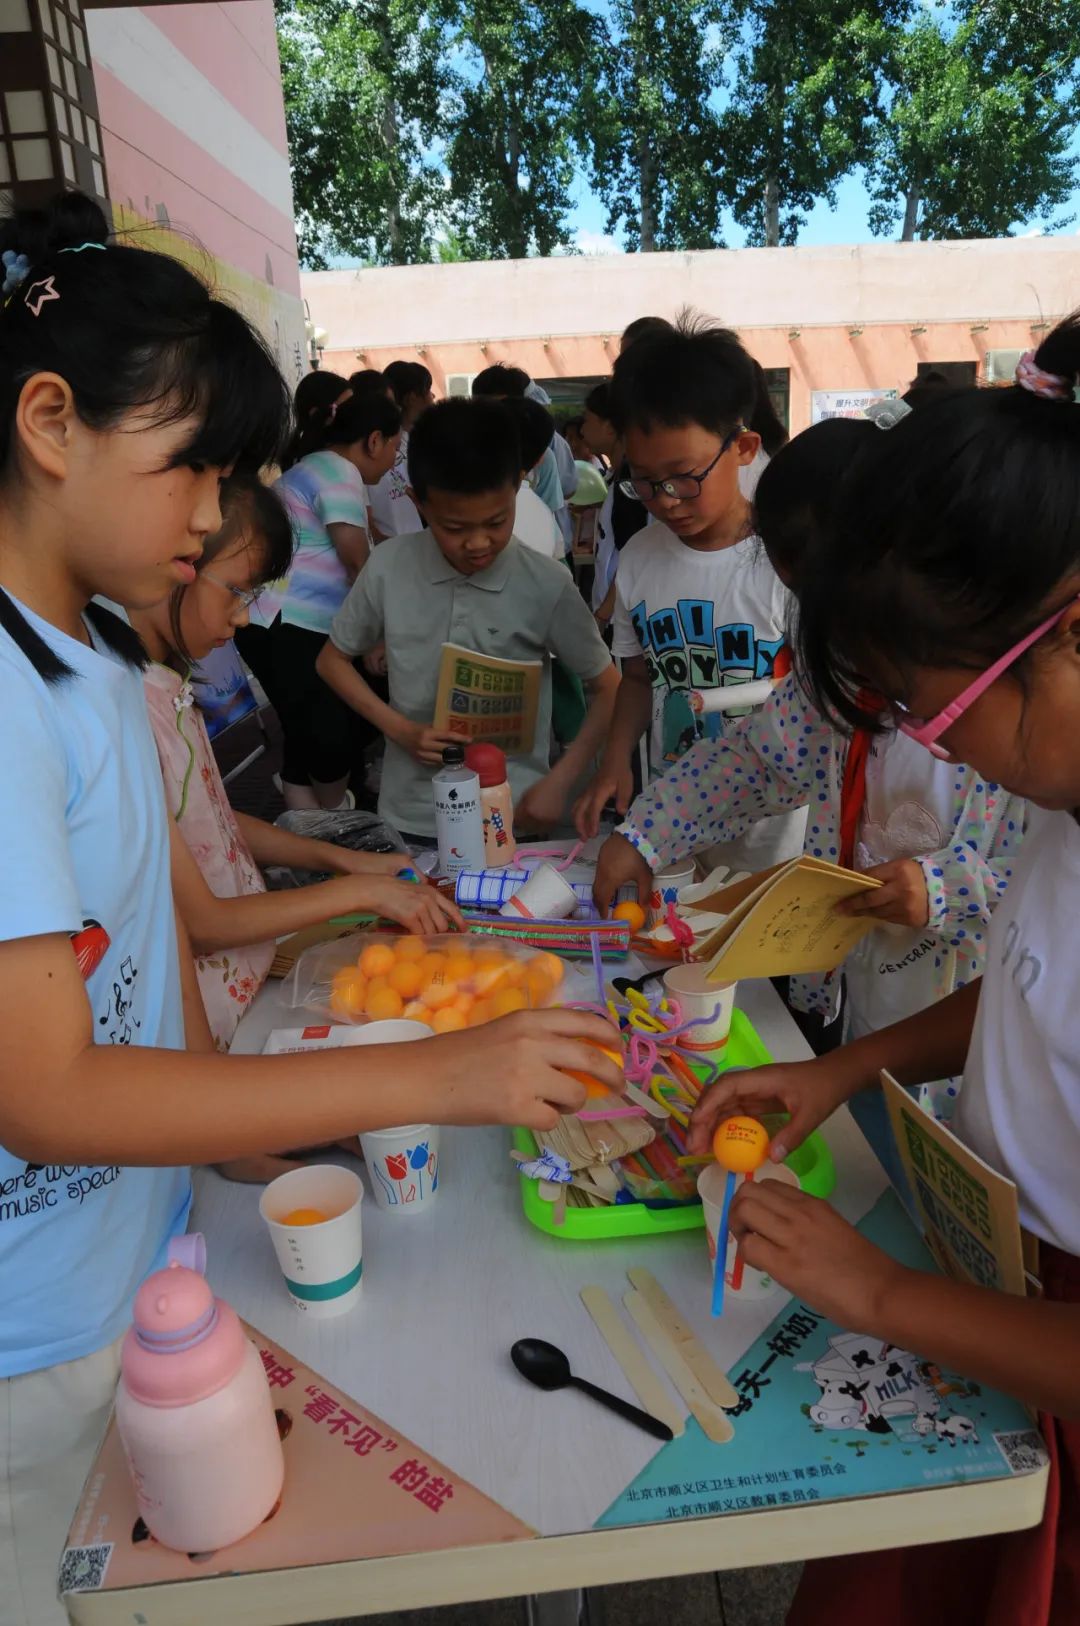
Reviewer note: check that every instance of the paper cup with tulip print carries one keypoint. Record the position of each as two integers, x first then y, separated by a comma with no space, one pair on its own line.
403,1167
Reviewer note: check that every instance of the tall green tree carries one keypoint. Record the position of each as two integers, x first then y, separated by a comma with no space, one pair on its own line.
975,135
512,126
650,122
806,79
364,84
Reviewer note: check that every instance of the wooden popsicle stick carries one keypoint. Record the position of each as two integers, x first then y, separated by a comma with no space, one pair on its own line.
716,1384
635,1368
711,1419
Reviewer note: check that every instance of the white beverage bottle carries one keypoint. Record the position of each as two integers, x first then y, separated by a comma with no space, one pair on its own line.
459,819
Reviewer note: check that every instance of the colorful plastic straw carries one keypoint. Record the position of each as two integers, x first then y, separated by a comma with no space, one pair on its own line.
721,1248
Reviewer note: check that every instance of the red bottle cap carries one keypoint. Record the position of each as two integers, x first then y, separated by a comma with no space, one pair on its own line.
488,762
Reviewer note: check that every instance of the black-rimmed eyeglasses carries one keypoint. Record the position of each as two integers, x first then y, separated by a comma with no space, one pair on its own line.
685,487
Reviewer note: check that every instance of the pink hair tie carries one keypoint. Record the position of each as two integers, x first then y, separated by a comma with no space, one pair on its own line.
1037,381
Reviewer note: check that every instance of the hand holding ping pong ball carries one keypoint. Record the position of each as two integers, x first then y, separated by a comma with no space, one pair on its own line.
741,1145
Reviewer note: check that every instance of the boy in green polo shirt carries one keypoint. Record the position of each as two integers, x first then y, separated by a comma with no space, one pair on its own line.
466,580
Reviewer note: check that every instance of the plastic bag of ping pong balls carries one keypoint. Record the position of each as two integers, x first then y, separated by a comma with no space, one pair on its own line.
449,983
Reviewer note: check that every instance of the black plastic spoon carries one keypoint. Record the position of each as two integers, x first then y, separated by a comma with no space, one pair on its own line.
546,1366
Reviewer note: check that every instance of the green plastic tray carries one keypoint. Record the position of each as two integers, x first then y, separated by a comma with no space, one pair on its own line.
812,1163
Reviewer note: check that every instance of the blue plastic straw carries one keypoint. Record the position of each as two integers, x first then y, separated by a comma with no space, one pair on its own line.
721,1246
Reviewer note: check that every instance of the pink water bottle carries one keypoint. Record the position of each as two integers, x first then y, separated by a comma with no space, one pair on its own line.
195,1412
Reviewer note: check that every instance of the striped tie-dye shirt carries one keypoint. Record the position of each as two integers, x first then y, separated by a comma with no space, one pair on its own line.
323,489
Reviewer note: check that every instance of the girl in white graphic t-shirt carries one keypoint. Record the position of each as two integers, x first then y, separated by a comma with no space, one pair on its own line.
697,604
950,584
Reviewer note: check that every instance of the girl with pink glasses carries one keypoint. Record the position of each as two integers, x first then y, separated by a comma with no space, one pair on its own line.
940,837
949,583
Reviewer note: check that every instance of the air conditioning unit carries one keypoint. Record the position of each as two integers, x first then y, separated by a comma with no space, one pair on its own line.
1001,366
459,383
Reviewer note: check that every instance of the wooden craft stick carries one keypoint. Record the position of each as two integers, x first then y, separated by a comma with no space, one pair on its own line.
635,1368
715,1383
714,1424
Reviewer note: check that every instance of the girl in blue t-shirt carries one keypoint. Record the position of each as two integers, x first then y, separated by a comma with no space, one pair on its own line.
127,392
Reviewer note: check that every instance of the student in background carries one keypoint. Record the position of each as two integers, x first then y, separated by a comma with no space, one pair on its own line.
643,327
370,381
698,605
573,430
534,523
501,382
390,508
315,394
351,447
232,920
564,462
980,667
466,580
621,517
130,392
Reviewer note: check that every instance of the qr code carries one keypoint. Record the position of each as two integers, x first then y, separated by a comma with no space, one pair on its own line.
82,1569
1023,1450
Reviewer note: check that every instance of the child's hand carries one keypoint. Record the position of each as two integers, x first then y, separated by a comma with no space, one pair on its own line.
517,1070
608,782
424,742
902,899
804,1244
420,908
808,1090
620,864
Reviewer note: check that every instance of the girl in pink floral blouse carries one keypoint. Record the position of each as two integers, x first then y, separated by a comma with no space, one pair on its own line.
219,890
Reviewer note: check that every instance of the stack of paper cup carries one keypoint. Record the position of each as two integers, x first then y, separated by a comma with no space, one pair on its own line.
666,891
546,895
708,1004
711,1183
322,1261
403,1166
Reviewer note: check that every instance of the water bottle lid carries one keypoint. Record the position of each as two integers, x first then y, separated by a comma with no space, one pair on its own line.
453,756
488,762
184,1344
189,1250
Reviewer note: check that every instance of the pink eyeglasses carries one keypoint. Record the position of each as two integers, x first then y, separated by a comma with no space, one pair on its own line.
928,733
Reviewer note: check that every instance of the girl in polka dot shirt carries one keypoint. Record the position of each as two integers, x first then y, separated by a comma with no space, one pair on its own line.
940,837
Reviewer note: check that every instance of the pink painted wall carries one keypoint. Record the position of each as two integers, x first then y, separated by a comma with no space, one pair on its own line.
193,129
795,308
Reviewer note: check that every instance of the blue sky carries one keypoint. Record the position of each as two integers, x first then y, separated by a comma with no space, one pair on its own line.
846,224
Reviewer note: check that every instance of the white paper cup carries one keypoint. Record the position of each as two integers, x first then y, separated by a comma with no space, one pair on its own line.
546,895
666,891
322,1264
713,1005
403,1167
711,1182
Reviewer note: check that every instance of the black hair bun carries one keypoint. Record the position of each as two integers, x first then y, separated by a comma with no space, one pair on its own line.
70,220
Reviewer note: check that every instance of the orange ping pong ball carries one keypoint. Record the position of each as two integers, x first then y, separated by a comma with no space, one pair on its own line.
741,1145
631,912
305,1216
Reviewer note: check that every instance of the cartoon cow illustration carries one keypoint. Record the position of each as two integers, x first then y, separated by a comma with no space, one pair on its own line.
865,1384
954,1428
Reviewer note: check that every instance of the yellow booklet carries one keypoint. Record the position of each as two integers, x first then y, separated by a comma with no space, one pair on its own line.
483,698
969,1213
783,921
